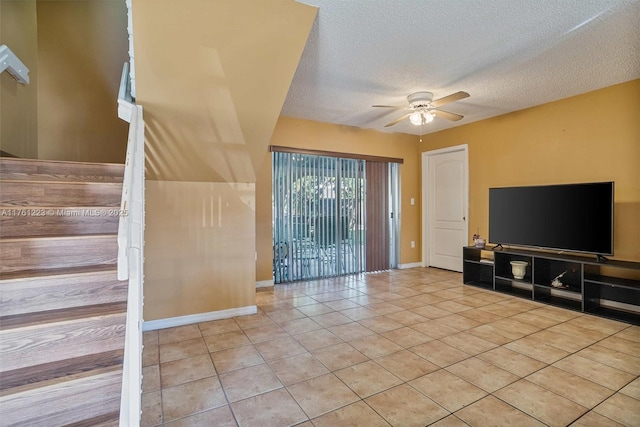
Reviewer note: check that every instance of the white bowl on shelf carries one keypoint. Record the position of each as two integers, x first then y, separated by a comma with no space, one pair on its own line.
519,269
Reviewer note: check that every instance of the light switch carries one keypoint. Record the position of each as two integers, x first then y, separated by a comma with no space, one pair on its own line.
413,201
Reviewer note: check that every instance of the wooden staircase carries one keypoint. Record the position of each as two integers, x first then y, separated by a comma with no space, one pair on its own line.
62,309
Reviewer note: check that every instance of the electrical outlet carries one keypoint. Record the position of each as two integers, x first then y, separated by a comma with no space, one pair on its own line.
413,243
413,201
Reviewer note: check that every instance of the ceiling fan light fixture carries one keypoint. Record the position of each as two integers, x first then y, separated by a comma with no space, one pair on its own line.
428,116
421,117
416,118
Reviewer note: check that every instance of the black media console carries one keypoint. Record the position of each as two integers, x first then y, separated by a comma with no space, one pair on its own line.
609,289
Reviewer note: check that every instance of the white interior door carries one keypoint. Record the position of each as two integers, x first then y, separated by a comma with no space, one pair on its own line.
445,204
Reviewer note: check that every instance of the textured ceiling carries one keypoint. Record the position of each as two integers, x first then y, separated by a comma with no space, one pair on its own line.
507,54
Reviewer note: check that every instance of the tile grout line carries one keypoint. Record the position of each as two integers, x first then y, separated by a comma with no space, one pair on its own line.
353,285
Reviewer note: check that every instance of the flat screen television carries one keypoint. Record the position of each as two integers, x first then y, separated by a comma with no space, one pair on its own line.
566,217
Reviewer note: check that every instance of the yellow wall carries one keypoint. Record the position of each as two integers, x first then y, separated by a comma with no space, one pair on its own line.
329,137
18,102
212,77
205,254
586,138
82,46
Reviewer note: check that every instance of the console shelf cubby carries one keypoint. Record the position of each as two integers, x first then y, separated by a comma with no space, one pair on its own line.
478,269
609,289
504,280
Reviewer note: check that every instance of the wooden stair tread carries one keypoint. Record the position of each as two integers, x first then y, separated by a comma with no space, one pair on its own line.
26,229
57,292
66,271
65,402
61,315
58,221
65,207
47,182
38,253
4,160
26,177
7,392
20,380
52,193
54,170
58,237
41,343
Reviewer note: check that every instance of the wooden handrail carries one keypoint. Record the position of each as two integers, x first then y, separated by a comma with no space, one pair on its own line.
131,258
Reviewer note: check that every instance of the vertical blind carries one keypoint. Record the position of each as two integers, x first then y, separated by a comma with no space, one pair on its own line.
318,216
377,236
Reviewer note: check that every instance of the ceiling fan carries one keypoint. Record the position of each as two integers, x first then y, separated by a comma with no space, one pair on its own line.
422,108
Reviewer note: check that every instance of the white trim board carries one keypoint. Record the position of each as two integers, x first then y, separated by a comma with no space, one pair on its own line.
190,319
409,265
264,284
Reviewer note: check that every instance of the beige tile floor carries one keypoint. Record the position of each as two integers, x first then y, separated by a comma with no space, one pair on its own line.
404,348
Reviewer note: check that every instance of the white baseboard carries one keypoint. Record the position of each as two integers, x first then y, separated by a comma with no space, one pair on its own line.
264,283
409,265
190,319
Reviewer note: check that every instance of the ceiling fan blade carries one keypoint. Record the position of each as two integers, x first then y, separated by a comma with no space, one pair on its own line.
398,120
451,98
389,106
447,115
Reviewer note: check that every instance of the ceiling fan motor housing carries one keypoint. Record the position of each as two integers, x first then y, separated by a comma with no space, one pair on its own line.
420,100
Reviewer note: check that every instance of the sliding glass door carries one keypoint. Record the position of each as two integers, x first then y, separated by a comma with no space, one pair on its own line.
332,216
318,216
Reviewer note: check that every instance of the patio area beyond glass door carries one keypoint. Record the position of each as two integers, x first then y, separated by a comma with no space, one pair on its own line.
318,216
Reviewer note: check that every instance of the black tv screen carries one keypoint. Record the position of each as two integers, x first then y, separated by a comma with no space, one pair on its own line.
571,217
